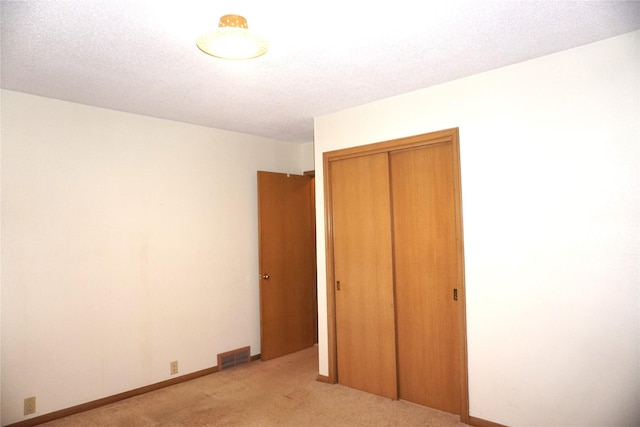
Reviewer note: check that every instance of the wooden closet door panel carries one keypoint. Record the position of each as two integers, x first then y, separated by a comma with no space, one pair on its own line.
365,323
424,212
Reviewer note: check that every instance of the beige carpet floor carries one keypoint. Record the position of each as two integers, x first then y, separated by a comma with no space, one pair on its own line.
279,392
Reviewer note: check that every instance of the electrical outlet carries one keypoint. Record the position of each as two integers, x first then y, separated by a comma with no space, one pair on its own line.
30,405
174,367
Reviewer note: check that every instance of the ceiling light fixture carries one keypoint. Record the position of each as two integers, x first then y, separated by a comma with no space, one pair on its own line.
232,40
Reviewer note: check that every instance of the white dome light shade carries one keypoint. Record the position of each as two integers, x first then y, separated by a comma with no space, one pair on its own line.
232,40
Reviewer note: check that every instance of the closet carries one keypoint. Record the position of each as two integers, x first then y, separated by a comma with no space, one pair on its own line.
395,270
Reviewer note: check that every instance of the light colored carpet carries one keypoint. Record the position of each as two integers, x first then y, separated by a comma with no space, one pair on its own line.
279,392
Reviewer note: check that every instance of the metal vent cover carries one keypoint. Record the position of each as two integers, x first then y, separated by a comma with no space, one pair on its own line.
233,358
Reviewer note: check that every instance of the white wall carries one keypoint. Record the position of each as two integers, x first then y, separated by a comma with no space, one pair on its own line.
550,157
128,242
308,162
0,256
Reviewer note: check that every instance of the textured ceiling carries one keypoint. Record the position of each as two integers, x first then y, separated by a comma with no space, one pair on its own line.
141,57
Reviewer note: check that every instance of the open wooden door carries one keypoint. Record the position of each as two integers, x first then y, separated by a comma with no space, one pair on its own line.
286,229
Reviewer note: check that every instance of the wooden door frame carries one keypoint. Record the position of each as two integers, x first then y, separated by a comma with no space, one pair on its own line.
432,138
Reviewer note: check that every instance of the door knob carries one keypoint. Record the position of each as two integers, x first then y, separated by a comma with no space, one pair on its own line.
265,276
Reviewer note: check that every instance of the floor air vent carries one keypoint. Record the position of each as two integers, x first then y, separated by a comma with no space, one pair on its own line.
234,357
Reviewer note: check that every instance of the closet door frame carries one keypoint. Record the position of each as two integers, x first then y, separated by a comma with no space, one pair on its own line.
440,137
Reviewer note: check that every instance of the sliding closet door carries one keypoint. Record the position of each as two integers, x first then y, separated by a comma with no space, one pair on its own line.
426,272
364,306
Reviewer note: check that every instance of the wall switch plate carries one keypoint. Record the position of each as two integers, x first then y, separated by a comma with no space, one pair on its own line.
30,405
174,367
